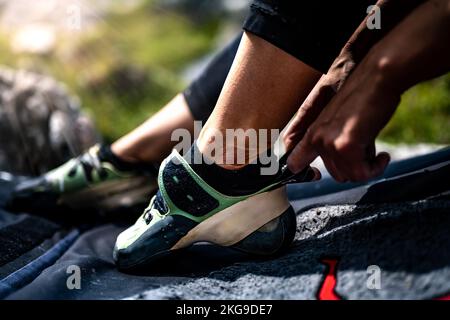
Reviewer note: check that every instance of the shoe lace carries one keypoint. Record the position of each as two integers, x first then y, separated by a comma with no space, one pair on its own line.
89,163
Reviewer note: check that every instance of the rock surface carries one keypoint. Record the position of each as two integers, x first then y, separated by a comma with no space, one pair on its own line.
41,125
408,242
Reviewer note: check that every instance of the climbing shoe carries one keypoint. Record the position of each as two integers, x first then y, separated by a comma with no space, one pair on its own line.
187,210
95,179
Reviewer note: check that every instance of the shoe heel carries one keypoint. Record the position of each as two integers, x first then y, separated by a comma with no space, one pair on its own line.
235,223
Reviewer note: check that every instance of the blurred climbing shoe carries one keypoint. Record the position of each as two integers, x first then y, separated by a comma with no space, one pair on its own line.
187,210
96,179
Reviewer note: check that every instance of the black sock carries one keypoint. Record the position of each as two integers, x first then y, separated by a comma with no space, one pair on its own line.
105,154
243,181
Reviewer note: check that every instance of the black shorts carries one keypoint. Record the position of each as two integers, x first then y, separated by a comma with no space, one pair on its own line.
202,94
313,31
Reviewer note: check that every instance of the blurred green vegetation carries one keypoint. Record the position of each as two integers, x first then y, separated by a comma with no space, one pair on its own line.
125,68
129,66
423,114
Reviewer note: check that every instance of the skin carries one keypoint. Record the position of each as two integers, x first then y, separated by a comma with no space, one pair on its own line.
344,133
151,142
267,93
356,48
253,83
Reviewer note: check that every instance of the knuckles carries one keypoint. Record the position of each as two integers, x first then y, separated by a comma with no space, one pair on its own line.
343,145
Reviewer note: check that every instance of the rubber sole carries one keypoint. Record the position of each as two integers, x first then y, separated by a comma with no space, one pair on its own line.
235,223
229,227
278,241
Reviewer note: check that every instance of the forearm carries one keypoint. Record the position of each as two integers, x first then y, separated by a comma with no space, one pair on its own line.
351,55
415,50
344,132
363,39
391,13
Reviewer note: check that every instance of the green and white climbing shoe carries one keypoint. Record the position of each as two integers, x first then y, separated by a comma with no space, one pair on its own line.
88,181
187,210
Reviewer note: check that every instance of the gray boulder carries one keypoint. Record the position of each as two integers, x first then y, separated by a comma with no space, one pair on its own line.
41,125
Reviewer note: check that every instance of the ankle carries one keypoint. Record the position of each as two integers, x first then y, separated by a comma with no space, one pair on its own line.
230,151
125,154
232,180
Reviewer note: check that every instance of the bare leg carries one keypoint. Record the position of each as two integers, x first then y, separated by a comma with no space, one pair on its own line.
265,84
150,142
263,90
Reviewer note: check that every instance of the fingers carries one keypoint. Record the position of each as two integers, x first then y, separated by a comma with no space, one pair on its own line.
349,162
311,108
302,155
333,169
358,163
379,164
312,174
357,169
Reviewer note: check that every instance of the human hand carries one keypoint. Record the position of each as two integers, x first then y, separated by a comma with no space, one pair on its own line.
320,96
344,133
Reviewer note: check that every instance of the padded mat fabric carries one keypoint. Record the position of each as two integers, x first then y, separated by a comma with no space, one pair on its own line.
387,223
22,236
92,252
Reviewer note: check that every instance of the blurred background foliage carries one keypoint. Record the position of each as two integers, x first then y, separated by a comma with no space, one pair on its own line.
127,58
423,114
